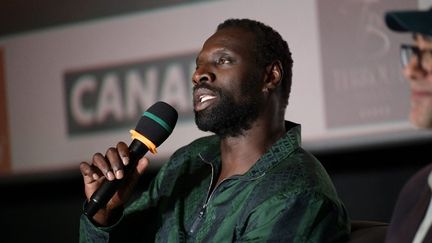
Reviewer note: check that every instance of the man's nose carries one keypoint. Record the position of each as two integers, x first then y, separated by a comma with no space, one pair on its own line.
202,74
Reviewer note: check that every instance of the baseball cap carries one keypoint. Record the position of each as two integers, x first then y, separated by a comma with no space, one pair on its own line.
419,21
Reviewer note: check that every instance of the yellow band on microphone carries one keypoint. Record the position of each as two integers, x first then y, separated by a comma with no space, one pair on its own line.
150,145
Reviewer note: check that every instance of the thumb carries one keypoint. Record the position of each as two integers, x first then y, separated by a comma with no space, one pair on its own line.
142,165
139,170
124,193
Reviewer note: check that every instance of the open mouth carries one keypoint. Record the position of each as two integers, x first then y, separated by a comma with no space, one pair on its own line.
203,98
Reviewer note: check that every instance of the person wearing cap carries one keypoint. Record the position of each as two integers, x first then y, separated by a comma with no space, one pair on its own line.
412,216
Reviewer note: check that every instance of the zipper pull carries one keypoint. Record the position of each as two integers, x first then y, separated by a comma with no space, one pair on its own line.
197,220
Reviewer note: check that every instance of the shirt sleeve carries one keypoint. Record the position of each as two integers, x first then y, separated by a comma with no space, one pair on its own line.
89,233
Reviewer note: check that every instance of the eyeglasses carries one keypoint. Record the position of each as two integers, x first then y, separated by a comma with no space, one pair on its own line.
407,52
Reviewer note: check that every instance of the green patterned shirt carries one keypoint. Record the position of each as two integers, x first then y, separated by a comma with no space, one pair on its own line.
287,196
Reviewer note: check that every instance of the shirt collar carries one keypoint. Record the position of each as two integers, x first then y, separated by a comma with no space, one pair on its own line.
283,147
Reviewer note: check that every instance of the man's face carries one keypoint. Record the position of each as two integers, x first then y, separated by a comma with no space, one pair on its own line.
227,83
419,73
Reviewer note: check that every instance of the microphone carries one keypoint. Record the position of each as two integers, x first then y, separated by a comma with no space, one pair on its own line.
154,127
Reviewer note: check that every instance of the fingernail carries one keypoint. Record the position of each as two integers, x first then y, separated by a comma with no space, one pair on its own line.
110,176
119,174
125,160
95,176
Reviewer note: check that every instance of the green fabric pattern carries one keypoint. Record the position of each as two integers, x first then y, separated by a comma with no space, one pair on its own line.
287,196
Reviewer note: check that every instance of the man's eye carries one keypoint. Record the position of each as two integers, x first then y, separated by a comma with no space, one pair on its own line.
223,60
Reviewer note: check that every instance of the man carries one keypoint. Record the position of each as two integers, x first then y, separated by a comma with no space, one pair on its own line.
412,216
251,181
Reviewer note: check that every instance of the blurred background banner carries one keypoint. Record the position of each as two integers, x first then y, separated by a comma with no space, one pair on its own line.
74,89
361,73
105,98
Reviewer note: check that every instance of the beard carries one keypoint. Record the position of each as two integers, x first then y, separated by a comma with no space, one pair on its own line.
230,118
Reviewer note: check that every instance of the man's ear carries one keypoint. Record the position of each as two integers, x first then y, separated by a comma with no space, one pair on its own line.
273,75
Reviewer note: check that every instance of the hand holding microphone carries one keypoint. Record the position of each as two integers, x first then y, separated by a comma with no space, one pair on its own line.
110,179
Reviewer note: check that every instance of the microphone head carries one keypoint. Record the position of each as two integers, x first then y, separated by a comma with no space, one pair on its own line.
157,123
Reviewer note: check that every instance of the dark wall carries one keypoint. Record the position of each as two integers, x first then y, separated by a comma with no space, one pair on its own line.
46,208
25,15
368,180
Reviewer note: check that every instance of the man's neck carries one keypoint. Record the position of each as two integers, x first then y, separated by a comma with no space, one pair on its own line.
240,153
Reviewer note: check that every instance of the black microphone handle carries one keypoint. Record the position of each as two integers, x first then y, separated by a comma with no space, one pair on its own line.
101,196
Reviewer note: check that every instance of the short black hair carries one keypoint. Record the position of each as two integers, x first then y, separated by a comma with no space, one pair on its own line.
270,46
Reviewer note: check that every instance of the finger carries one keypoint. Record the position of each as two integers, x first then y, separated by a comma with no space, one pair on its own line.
103,166
86,172
91,182
123,150
116,163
